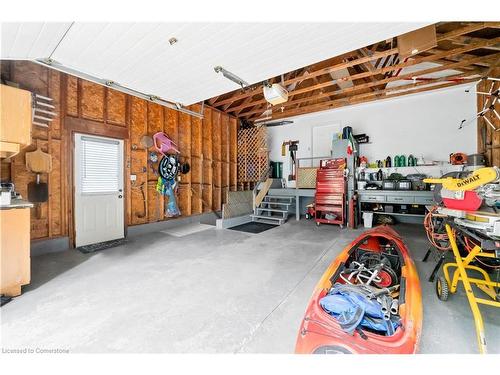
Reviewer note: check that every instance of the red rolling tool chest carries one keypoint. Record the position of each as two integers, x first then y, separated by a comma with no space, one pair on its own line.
330,192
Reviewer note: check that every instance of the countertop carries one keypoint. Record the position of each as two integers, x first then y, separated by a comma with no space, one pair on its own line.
17,203
397,192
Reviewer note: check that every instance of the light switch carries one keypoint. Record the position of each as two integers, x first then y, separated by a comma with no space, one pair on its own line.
133,177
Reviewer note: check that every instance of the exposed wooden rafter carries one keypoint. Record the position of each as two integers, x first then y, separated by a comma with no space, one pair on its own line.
362,98
444,66
364,74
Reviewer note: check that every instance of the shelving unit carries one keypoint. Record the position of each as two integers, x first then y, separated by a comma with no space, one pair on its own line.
436,170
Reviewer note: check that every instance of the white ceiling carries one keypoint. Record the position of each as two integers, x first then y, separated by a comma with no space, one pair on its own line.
139,56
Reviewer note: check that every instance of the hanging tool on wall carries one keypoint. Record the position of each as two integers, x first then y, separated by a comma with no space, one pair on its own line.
38,162
43,110
293,146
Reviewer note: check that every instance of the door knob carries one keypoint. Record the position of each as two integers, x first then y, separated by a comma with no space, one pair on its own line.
120,196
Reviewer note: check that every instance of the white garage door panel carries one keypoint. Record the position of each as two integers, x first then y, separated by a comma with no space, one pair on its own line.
139,56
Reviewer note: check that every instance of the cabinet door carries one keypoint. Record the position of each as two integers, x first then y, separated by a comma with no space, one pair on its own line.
15,250
15,109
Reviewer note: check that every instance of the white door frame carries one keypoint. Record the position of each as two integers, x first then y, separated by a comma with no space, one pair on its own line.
77,195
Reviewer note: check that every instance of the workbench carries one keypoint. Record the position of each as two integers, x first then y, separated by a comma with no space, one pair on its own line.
396,197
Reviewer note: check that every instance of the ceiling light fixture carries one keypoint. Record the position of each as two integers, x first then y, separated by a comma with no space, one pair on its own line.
231,76
172,41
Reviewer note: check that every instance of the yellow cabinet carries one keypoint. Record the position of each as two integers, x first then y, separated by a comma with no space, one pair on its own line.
15,120
15,250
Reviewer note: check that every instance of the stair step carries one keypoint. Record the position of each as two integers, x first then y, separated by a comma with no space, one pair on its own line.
276,203
272,215
268,219
268,197
271,209
272,222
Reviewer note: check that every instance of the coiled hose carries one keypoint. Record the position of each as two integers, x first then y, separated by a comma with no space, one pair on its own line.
436,236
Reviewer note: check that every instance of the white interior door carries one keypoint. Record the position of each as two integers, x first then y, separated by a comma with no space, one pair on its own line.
322,137
99,208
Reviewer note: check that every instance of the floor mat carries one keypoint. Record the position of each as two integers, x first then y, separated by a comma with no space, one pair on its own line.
187,229
100,246
253,227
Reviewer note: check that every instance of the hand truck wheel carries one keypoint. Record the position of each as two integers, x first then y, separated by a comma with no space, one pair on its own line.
442,289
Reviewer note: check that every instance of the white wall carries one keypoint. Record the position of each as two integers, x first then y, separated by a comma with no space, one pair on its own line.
420,124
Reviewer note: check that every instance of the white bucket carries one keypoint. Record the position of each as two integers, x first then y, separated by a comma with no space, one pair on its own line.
368,219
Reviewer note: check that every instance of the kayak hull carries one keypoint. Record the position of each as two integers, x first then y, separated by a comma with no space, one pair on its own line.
320,333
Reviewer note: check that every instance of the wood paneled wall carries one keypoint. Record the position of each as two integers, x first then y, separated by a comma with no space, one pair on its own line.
488,140
208,145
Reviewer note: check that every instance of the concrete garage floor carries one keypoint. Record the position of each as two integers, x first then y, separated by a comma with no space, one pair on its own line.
212,291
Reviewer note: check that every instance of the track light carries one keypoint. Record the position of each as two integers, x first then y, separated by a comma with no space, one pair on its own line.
231,76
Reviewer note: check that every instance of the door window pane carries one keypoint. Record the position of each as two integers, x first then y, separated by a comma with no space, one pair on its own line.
100,165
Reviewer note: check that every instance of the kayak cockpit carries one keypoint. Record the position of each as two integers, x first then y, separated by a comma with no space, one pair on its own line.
365,291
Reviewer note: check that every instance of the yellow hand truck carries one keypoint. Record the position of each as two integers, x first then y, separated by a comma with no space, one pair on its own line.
446,285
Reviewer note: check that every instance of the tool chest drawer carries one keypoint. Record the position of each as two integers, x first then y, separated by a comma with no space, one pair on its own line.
329,199
329,186
327,208
400,199
330,174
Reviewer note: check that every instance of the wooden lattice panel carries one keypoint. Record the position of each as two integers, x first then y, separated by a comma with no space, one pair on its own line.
306,177
253,154
238,203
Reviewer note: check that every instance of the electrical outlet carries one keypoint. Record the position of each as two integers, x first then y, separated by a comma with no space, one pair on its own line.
133,177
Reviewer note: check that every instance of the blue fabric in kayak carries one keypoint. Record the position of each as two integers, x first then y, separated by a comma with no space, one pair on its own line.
345,304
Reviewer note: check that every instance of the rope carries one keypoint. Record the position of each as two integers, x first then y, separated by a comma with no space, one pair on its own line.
62,38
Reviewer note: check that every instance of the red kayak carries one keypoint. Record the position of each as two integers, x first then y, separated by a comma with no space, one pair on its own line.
367,301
